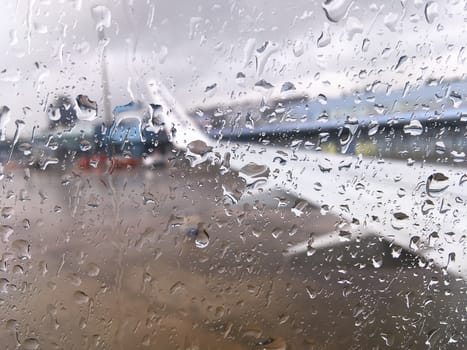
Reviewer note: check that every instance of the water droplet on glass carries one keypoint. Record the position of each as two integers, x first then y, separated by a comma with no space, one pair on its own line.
82,323
440,147
312,293
388,339
4,283
396,251
254,173
462,179
431,11
310,250
19,126
74,279
373,128
323,117
415,243
202,237
325,37
198,152
436,183
92,270
322,99
451,258
365,44
444,207
81,297
346,135
457,157
414,128
4,120
346,291
210,88
345,164
377,261
31,344
317,186
432,337
25,148
427,206
276,233
5,232
43,269
199,147
400,62
287,86
249,121
146,341
379,108
177,287
336,10
12,325
298,48
240,79
456,99
85,108
272,344
46,162
52,143
345,236
263,54
248,51
85,145
264,84
279,160
325,165
22,249
13,37
26,224
400,216
398,220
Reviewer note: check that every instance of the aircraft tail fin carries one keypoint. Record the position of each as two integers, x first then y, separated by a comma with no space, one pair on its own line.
179,125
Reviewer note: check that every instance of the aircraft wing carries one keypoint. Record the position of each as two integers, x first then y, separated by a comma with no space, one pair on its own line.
419,207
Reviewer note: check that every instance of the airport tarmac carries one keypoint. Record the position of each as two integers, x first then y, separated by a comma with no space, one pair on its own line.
162,259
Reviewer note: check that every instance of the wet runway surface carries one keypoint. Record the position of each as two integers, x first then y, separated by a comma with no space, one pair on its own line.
98,261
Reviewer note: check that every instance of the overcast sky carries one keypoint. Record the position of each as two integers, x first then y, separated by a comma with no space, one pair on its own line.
192,45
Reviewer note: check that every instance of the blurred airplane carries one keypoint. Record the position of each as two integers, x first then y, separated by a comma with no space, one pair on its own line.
414,207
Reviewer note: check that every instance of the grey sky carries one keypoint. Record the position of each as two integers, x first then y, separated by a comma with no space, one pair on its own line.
194,44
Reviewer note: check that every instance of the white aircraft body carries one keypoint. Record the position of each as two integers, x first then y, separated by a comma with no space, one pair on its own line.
420,208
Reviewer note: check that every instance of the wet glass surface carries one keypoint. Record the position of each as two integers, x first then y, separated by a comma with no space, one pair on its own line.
95,260
233,175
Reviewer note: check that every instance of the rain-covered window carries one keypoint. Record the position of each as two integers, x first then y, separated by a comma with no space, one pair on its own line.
237,174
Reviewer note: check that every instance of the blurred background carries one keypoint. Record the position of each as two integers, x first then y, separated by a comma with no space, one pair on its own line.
257,65
112,237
